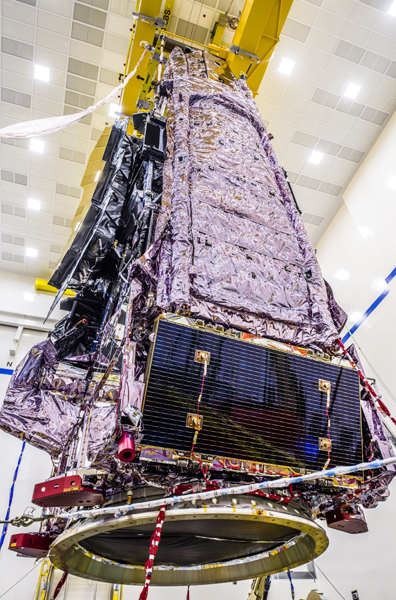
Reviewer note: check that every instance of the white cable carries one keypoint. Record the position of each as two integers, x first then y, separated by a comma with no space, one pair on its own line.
241,489
44,126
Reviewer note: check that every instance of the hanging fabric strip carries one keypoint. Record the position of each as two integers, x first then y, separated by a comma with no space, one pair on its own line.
154,541
267,585
44,126
59,586
5,526
291,585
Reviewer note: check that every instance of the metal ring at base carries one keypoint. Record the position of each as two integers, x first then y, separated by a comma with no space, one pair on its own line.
310,540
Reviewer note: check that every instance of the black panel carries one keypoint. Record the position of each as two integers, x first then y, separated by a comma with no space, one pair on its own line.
185,543
258,404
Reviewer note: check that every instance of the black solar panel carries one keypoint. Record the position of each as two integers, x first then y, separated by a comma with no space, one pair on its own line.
258,404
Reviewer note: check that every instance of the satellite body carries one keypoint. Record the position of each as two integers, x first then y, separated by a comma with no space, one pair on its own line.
198,353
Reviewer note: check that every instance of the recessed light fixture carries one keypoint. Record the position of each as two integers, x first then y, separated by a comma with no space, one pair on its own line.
41,73
392,10
286,66
315,157
352,90
37,145
378,284
341,274
77,226
27,296
97,175
365,232
392,183
355,316
114,109
33,204
31,252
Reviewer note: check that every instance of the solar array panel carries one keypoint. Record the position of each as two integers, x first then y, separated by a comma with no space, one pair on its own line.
258,403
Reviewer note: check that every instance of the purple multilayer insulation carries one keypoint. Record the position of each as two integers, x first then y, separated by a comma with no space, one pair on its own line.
233,247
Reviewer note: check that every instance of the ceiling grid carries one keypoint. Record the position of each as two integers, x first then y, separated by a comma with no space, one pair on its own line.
84,44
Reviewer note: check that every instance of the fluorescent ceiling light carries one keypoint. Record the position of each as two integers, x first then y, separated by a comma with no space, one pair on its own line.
33,204
392,183
341,274
352,90
355,316
27,296
97,175
392,10
286,66
114,109
31,252
41,73
77,226
315,157
378,284
37,145
365,232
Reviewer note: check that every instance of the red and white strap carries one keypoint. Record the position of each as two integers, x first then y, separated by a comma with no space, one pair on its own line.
154,541
373,393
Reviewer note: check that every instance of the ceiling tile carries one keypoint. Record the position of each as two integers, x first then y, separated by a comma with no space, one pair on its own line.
53,22
17,30
366,16
356,34
48,58
305,13
58,7
344,8
382,45
23,14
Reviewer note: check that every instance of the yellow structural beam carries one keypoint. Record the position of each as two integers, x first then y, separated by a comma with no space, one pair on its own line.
44,582
143,31
257,33
116,591
42,285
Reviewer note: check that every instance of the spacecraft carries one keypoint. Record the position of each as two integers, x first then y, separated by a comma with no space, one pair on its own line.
199,353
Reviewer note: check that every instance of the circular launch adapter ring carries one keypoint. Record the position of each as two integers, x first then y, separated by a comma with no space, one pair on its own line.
278,537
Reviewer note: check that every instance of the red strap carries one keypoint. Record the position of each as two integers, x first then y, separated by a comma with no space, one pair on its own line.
59,586
373,393
154,541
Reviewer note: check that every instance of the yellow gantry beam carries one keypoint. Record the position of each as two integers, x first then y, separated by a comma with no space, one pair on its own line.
143,31
254,41
257,33
42,285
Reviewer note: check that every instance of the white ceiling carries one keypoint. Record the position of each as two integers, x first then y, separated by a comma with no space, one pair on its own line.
85,42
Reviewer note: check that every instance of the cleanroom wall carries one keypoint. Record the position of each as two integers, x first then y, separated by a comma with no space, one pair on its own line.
357,255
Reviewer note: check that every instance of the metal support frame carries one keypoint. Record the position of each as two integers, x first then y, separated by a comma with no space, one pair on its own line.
146,25
116,591
45,580
257,35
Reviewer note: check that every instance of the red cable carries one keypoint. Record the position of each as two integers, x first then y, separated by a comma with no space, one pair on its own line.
203,469
369,387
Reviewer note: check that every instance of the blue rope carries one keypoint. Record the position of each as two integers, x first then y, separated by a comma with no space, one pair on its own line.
291,584
5,526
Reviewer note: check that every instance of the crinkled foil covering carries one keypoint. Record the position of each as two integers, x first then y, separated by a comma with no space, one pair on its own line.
230,247
233,247
33,409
